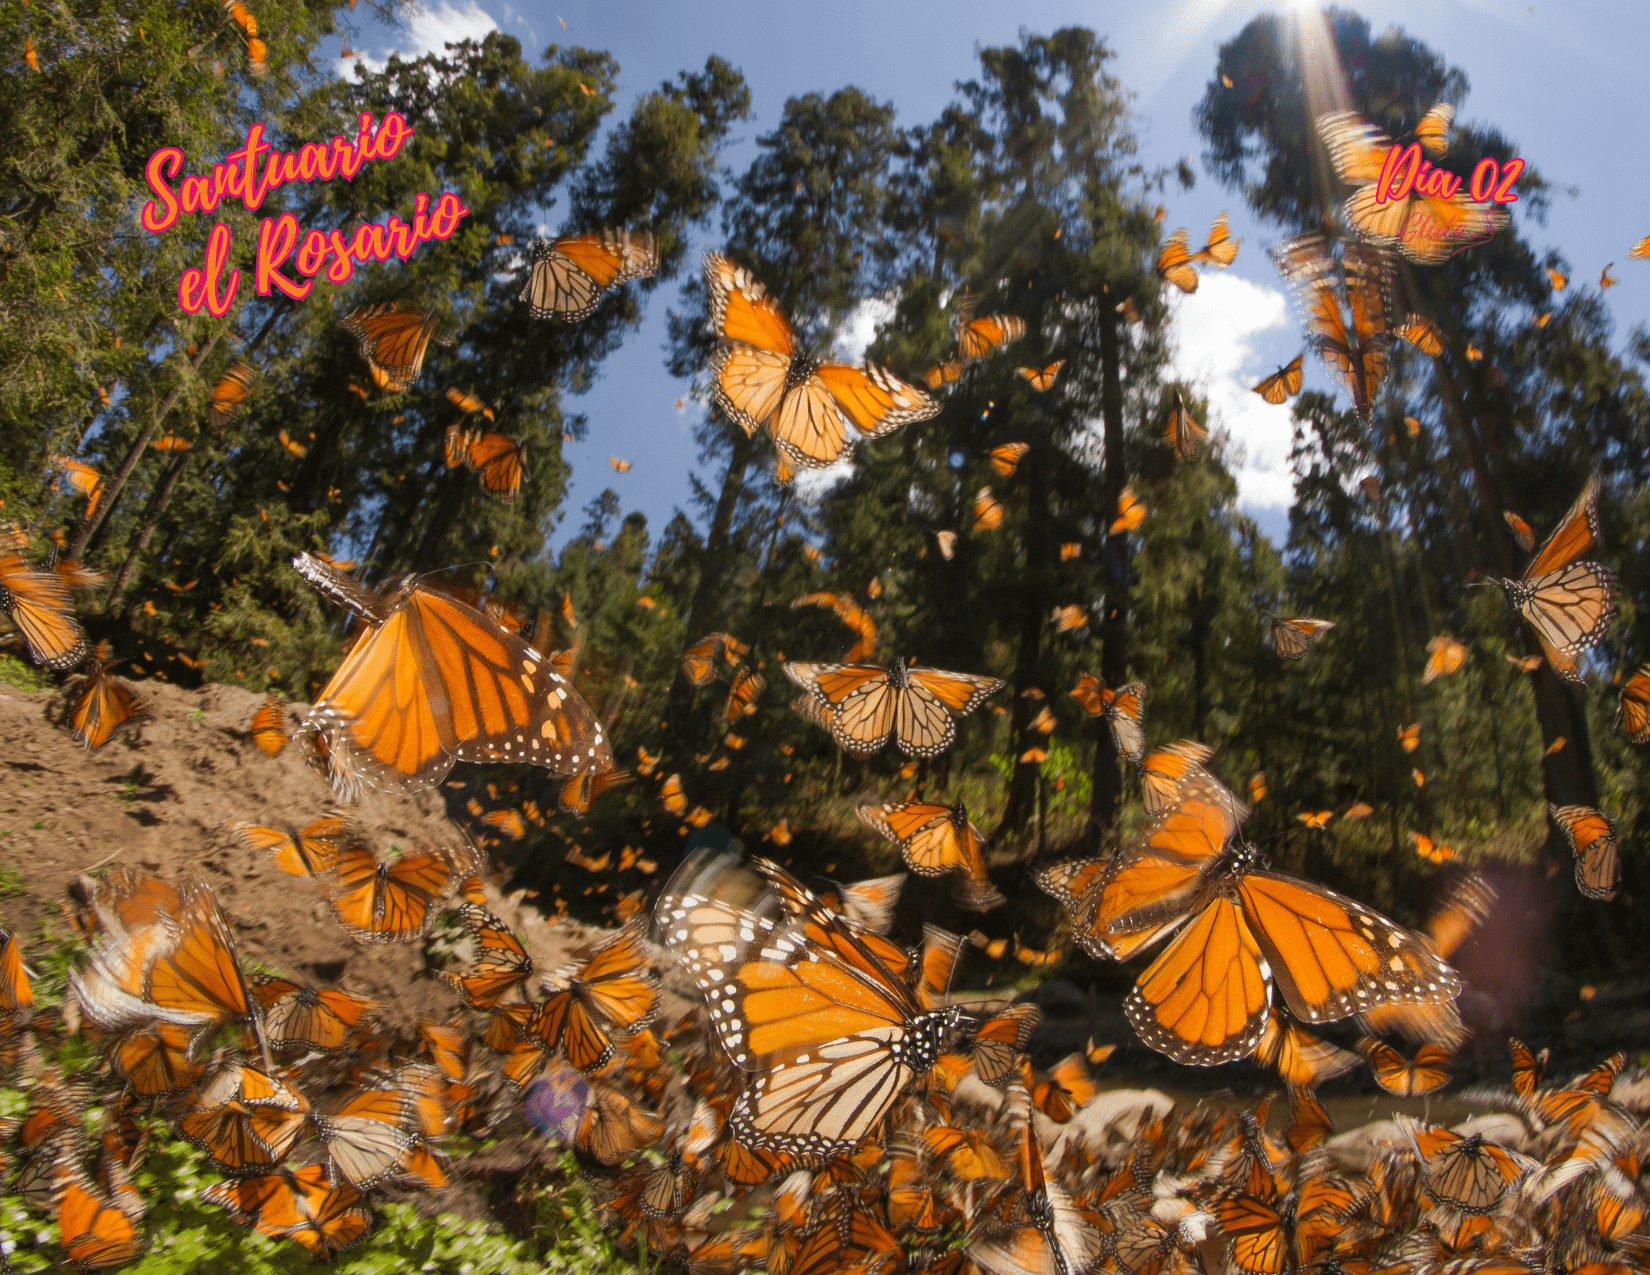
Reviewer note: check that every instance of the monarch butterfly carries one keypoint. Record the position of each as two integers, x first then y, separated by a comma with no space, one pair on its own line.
1409,737
581,789
1356,811
1633,707
1183,434
501,461
976,338
1426,228
367,1136
1300,1058
1444,656
571,275
318,1018
1240,929
39,605
307,853
1042,378
84,479
1541,320
869,904
155,1059
942,374
16,996
1256,787
1606,279
1433,130
799,1000
1174,262
947,543
386,902
611,987
1128,310
762,378
1167,771
106,703
1464,1173
297,1204
509,822
1294,636
917,707
268,727
1592,839
393,341
292,445
1046,1233
1425,1073
432,682
170,443
1131,512
1568,603
622,466
747,685
1006,457
672,797
95,1231
1348,340
1521,530
1068,1088
988,511
851,614
244,1120
1429,850
1316,818
1124,710
1422,333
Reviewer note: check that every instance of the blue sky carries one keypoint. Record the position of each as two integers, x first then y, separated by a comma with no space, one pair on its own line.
1563,80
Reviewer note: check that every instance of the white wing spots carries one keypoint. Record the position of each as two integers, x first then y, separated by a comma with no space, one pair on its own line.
1394,939
1396,965
527,684
728,951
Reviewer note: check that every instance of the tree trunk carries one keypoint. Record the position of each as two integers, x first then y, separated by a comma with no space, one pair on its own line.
152,517
1028,666
1107,788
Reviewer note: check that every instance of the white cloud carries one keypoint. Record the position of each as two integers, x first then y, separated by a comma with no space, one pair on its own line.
860,329
429,30
813,484
1214,329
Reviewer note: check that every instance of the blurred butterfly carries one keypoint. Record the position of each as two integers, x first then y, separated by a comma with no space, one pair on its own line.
1522,531
1633,707
1294,636
1183,434
1316,818
610,990
306,853
501,461
469,404
393,341
1042,378
380,902
268,728
1006,457
509,822
976,338
1237,929
1299,1057
1427,1072
1256,787
988,511
942,374
1356,811
1606,279
1426,228
96,1231
1413,426
1444,656
286,441
1474,354
1070,549
1166,772
1131,512
367,1135
84,479
1592,839
245,1121
1124,710
582,789
432,682
1042,1231
947,542
915,706
622,466
1348,335
1525,663
1409,737
762,378
1174,262
935,841
1543,319
1422,333
571,275
1569,603
672,796
1641,250
301,1204
747,685
317,1018
170,443
828,1036
1430,850
1220,249
16,996
105,704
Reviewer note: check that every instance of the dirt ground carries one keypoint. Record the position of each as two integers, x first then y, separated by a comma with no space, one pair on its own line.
161,795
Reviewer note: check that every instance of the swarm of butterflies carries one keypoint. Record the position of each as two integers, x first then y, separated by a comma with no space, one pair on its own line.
828,1106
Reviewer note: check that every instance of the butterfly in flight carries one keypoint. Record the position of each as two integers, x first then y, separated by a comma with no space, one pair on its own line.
1294,636
501,461
936,840
432,682
1124,710
763,379
1241,933
38,603
1592,838
1567,601
1347,310
230,394
917,707
105,704
393,341
977,338
1183,434
571,275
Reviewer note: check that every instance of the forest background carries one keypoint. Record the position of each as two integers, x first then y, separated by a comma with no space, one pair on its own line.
1029,187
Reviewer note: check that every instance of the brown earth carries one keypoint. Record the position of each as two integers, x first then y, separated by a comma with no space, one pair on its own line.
161,795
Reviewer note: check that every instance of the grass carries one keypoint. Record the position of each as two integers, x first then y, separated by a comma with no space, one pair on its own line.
13,672
11,881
